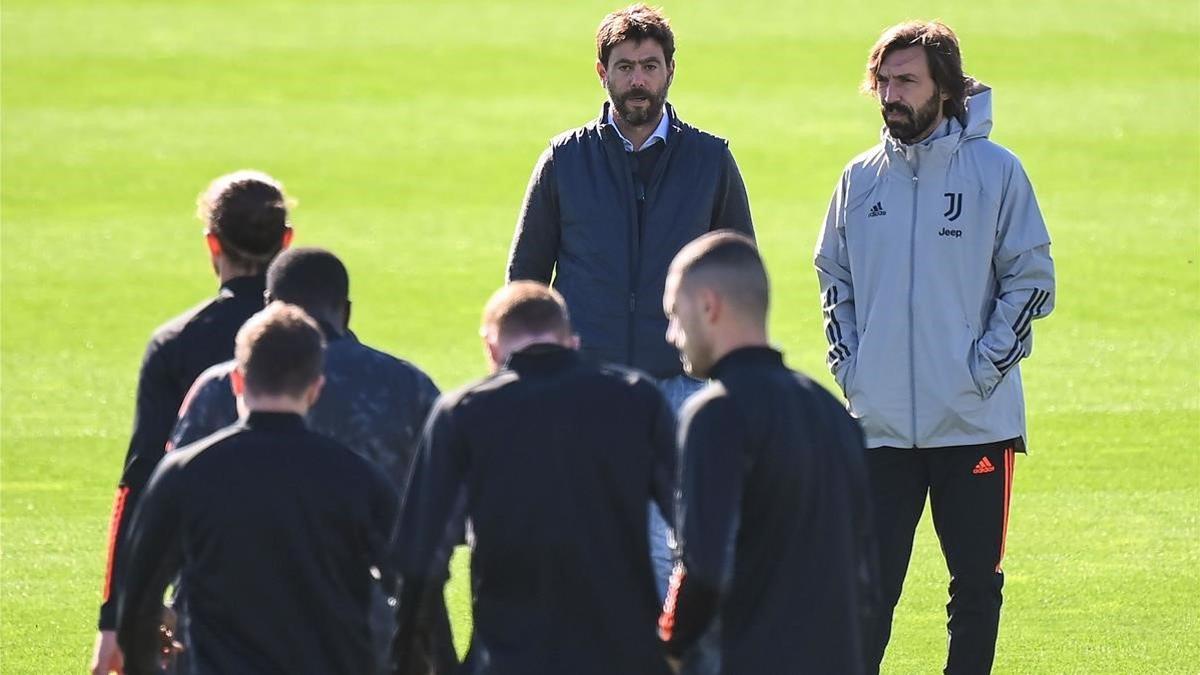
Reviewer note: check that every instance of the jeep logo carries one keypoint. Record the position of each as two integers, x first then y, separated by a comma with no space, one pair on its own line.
950,233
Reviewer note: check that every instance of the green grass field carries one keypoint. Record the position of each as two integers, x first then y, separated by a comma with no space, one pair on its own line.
407,133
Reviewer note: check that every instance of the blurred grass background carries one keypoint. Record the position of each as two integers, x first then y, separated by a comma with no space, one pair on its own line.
407,132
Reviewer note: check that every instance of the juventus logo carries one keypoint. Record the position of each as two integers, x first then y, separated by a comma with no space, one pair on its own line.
954,209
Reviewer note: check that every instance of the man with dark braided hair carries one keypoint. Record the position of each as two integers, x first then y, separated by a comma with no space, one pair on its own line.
246,225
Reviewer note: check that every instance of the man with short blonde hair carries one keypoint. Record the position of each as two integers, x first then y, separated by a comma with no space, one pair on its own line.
274,528
553,459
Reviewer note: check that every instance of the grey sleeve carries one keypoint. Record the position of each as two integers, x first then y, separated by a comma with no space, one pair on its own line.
1024,279
731,209
534,250
832,260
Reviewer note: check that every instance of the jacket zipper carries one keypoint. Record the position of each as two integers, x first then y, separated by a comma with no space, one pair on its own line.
635,263
912,283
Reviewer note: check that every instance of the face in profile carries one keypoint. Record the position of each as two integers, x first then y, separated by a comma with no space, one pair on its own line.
909,100
637,78
685,329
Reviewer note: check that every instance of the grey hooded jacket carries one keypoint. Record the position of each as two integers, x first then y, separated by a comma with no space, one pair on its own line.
933,263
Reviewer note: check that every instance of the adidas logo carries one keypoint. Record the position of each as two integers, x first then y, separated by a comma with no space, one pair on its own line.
876,210
984,466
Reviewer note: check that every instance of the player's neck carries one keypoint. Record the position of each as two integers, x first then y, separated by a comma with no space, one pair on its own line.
259,403
227,271
734,340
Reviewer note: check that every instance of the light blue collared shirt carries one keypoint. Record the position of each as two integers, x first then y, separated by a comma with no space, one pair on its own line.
660,132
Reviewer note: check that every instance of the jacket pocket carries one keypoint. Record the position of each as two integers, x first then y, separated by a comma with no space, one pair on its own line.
845,375
983,372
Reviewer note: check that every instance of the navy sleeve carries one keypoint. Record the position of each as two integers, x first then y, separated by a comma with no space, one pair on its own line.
210,406
731,209
712,472
385,525
663,442
154,557
534,250
158,399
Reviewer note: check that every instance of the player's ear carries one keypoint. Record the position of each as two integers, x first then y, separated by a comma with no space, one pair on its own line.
288,233
314,391
602,72
495,355
237,382
213,242
346,316
710,305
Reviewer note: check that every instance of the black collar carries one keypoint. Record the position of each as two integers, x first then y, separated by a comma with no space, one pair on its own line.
250,285
274,421
333,334
541,357
746,357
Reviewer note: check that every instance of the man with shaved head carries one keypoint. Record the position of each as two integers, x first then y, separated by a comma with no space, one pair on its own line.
771,475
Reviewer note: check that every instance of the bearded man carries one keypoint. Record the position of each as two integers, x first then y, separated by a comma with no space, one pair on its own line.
611,203
934,262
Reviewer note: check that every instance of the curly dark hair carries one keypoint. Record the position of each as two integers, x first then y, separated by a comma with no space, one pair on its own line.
248,213
942,51
635,22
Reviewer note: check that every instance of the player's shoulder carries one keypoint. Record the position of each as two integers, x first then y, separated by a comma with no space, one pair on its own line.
335,456
622,375
989,154
215,378
700,136
712,406
714,397
870,161
589,131
217,373
475,391
378,362
180,458
185,322
221,313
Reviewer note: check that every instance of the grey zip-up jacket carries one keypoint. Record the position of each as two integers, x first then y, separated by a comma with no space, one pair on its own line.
933,262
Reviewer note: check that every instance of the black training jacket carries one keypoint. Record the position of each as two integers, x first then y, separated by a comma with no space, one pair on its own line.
178,352
774,523
274,530
554,460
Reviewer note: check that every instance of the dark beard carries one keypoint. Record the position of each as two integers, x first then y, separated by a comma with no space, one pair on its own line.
633,116
914,123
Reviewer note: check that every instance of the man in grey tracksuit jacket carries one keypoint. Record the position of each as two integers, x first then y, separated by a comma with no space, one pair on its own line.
933,263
